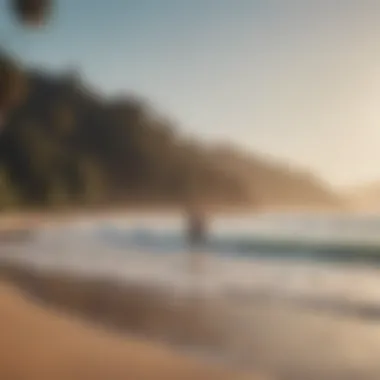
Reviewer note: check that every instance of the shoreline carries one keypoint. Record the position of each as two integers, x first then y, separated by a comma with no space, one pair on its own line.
133,307
42,344
36,218
134,318
261,337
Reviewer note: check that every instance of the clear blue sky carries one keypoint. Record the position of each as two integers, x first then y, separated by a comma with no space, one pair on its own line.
299,80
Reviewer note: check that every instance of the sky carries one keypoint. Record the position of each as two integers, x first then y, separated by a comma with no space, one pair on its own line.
295,80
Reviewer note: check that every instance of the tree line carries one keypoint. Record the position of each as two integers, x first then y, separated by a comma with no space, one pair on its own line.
61,145
67,146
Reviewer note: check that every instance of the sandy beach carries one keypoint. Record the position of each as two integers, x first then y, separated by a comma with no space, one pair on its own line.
38,342
275,341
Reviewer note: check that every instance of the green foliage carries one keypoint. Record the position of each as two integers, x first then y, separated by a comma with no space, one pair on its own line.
92,186
63,119
12,83
65,145
41,150
57,194
8,194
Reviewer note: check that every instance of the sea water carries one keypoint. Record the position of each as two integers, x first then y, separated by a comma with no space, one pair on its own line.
329,321
153,249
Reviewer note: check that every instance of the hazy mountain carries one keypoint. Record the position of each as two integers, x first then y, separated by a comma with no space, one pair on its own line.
274,183
68,144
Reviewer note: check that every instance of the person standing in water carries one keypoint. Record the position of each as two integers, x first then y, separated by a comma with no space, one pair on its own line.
197,237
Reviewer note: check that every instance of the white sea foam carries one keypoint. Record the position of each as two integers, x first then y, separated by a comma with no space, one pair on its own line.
108,249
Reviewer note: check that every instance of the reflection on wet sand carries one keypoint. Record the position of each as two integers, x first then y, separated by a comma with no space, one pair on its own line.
279,339
38,343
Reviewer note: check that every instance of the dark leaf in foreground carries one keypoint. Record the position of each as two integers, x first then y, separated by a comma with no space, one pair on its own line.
31,12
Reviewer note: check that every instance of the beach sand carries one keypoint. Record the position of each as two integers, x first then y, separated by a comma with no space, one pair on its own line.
285,342
39,343
137,308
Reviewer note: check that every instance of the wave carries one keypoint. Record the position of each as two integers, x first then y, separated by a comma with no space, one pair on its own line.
291,248
296,299
333,276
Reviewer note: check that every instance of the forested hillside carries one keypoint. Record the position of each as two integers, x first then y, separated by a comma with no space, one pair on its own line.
67,145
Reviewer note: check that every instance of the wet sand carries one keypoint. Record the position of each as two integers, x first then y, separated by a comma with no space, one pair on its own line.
38,342
282,341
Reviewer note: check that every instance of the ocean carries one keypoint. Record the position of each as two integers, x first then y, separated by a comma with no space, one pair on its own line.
303,289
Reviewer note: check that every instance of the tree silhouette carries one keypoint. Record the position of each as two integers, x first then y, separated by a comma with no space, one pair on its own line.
12,83
13,86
